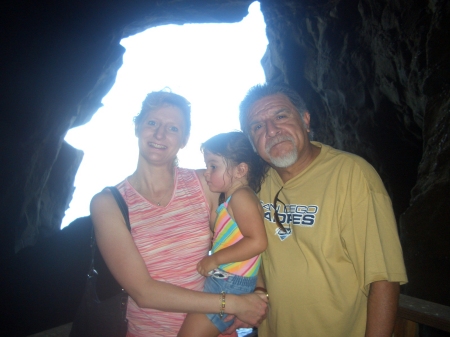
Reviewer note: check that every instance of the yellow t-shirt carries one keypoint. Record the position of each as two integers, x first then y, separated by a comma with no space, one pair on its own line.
343,237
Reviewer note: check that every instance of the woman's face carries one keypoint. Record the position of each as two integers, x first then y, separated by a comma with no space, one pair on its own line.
161,135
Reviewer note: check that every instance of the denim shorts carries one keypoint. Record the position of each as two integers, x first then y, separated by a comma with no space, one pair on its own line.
233,284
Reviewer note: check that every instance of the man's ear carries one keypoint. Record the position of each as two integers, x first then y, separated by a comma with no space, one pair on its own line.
306,119
241,170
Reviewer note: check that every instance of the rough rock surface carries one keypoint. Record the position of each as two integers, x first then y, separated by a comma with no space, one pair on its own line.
374,73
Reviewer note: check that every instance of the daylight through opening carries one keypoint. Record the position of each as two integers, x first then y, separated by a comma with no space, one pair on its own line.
212,65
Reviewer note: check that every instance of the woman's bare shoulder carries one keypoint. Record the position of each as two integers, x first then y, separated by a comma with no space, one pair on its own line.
102,201
202,179
212,197
102,196
200,173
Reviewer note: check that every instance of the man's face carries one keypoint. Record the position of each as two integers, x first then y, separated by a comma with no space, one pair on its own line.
277,131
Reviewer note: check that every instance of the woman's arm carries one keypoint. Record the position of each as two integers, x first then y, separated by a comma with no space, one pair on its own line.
238,324
246,210
127,266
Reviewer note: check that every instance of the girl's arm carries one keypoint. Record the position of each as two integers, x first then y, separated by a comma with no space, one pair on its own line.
127,266
246,210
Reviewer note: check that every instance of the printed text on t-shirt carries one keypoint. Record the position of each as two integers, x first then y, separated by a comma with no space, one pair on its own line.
297,215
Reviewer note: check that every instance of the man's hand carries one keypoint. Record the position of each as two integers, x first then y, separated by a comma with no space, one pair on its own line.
207,264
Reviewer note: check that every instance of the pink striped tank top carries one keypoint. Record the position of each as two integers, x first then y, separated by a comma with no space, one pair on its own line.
227,233
171,240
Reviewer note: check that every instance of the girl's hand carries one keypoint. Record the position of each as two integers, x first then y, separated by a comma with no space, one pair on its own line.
237,324
207,264
249,308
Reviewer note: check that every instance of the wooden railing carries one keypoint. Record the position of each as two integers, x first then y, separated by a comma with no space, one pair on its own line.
413,311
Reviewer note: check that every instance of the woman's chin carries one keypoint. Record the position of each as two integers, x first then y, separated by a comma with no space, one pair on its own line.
155,159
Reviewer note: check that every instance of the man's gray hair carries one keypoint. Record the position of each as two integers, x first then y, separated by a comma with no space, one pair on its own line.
260,91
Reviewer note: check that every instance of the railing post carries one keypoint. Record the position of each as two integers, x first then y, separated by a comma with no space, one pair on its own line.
405,328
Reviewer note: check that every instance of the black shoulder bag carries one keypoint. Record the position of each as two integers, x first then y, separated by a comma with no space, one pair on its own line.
103,308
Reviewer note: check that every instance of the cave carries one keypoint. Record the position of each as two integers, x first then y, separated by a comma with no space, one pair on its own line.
375,75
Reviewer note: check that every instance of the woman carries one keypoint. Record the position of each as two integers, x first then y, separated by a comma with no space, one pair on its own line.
170,213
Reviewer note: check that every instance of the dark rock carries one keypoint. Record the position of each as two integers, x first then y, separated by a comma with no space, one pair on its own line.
45,281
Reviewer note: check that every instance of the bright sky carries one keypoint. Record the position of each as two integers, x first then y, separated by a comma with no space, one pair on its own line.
212,65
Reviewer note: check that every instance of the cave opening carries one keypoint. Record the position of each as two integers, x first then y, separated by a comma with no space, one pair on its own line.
212,65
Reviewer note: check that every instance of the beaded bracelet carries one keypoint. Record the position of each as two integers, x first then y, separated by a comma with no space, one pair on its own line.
222,304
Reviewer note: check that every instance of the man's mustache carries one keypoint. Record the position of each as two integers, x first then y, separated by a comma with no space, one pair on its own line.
276,140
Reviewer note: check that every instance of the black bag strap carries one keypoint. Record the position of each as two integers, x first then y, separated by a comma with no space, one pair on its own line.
124,209
122,205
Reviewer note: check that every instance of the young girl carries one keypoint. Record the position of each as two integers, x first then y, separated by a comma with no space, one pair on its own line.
236,171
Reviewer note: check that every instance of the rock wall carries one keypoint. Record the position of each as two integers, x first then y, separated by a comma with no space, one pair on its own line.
374,74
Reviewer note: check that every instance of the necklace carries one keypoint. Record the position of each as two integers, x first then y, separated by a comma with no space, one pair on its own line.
159,202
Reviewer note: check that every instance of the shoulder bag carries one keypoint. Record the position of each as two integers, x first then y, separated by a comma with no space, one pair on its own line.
103,308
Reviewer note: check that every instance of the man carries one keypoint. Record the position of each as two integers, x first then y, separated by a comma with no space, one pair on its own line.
334,264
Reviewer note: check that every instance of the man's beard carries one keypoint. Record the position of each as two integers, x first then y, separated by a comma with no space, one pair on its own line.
287,159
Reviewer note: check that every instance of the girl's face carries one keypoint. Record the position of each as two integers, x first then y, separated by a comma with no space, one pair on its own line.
218,175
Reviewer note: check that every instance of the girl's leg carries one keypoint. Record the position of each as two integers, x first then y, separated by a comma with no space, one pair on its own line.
198,325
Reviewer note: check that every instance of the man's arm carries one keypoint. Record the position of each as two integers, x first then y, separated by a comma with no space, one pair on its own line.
382,308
